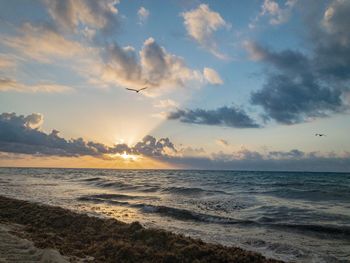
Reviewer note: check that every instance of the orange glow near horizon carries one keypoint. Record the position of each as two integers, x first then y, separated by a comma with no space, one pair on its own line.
118,161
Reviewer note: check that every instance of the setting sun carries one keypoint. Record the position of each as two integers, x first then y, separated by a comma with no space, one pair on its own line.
126,156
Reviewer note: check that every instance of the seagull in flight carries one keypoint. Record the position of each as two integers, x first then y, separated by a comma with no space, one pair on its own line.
320,134
137,90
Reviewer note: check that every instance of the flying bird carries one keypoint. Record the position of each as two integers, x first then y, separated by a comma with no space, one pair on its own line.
320,134
137,90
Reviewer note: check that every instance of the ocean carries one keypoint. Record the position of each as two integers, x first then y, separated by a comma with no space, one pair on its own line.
300,217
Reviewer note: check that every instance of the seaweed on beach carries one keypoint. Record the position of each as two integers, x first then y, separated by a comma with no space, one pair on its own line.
109,240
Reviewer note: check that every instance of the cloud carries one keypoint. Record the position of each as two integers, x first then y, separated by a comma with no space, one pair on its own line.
153,67
71,14
23,135
212,76
288,100
103,64
292,92
225,116
143,15
331,39
43,44
276,13
122,66
222,142
159,66
201,24
296,154
191,152
166,104
255,51
6,62
7,84
298,87
149,146
294,160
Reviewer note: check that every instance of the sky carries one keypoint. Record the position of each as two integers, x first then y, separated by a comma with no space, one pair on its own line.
242,85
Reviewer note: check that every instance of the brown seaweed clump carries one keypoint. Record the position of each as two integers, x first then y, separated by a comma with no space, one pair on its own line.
109,240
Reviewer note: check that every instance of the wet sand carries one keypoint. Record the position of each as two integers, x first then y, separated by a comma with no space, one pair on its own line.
54,231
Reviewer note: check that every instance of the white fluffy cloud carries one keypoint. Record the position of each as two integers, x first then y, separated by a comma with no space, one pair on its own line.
201,23
152,66
143,14
102,65
276,13
69,14
212,76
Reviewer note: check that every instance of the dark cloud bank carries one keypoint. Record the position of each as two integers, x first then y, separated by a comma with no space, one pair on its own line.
224,116
292,92
22,135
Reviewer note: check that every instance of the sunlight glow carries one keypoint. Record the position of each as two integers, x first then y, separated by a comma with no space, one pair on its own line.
126,156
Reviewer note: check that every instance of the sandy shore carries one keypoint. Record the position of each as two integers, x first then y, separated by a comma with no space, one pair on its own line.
16,249
35,233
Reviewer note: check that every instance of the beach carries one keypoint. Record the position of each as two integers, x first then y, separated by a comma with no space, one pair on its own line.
81,237
14,248
175,131
292,217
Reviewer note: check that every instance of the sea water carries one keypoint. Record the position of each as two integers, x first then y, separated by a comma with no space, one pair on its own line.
302,217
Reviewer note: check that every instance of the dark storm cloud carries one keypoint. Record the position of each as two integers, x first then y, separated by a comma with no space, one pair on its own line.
292,91
20,134
291,100
224,116
149,146
299,87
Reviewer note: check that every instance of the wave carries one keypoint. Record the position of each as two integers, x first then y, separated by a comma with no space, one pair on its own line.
176,213
187,215
184,214
105,197
190,191
93,179
105,183
317,195
325,229
150,188
3,181
116,185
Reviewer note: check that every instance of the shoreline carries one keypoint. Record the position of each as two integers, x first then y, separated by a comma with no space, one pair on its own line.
77,235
